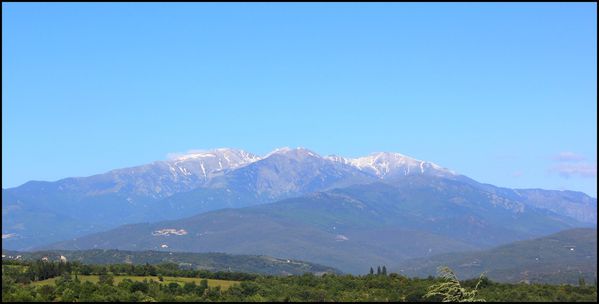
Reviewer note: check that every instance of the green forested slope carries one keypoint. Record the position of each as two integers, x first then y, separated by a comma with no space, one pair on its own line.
208,261
563,257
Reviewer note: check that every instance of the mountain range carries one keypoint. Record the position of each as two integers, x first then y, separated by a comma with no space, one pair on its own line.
383,208
184,185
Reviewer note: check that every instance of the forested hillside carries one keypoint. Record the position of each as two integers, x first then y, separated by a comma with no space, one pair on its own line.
563,257
188,260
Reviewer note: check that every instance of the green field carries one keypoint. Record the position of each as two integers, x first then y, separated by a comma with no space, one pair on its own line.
224,284
19,267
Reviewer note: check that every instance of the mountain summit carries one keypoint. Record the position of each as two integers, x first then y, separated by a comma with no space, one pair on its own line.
204,163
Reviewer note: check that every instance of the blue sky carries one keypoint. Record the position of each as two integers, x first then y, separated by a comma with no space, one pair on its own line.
504,93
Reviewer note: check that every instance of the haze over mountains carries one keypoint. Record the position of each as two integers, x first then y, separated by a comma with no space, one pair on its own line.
346,213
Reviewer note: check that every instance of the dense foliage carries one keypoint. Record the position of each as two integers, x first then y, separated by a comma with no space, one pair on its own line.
17,286
210,261
28,271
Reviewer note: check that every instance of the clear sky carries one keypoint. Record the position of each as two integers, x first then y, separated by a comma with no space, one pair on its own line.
503,93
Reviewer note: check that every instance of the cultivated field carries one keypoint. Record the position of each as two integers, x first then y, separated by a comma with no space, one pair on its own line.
224,284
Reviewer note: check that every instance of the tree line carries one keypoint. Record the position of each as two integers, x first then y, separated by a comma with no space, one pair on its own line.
39,270
379,270
69,286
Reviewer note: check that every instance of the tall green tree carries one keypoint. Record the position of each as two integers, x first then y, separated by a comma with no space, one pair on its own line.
581,281
107,279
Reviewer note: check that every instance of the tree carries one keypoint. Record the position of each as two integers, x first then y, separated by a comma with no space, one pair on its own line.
189,287
46,291
204,283
102,270
451,290
106,279
371,271
66,277
173,287
378,270
86,270
581,281
384,270
139,286
68,295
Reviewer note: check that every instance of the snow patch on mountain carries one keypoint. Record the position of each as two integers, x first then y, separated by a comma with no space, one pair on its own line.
382,164
299,151
202,163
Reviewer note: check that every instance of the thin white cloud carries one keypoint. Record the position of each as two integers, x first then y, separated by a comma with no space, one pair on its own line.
568,157
568,170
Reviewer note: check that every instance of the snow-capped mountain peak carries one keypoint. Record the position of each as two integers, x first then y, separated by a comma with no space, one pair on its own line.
206,163
202,163
299,151
338,159
220,152
383,164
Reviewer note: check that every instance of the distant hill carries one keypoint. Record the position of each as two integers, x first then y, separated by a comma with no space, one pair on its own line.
208,261
352,228
562,257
